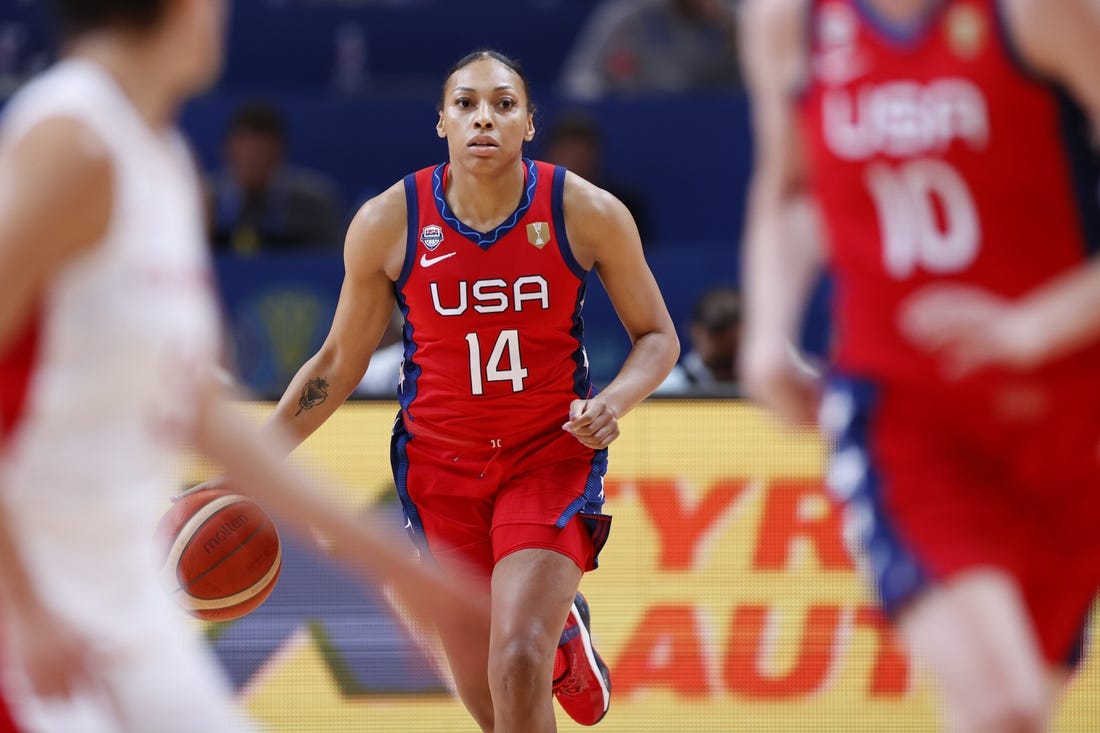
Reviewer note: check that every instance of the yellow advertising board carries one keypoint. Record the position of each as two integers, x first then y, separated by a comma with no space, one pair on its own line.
726,599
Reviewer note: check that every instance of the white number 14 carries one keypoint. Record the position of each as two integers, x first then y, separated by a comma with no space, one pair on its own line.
516,372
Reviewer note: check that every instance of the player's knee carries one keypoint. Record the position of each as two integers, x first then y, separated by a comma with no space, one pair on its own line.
516,664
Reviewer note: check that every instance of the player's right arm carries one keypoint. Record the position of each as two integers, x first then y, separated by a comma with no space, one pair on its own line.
782,247
56,184
374,252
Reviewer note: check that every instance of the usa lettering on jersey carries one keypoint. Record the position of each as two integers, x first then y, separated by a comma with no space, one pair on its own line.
904,118
492,296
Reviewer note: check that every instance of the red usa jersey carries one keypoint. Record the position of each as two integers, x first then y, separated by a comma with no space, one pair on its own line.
937,156
492,319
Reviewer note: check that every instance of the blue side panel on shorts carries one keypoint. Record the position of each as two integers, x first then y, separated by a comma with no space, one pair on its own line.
1084,169
591,501
589,507
1080,644
410,370
847,414
399,464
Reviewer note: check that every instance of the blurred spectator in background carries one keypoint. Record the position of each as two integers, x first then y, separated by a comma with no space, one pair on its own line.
575,141
257,202
654,46
714,333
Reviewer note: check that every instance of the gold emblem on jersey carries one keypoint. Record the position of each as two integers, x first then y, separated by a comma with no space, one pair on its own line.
538,233
966,31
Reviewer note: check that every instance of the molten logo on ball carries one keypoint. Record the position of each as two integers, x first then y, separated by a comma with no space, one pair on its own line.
223,554
227,529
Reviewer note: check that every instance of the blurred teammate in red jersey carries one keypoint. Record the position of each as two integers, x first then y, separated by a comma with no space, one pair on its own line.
939,151
499,450
109,337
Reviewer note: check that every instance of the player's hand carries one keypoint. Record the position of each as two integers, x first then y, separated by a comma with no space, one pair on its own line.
52,657
968,329
221,483
592,423
772,378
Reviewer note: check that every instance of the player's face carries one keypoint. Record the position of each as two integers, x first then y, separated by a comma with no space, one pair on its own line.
485,113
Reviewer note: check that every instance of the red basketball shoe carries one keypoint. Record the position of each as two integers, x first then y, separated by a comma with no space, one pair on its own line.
582,682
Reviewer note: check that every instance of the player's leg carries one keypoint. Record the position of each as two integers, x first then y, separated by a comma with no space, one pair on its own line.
467,652
975,634
449,520
533,592
936,533
553,501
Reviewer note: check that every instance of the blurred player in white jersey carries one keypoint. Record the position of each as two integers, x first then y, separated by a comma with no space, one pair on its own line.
108,330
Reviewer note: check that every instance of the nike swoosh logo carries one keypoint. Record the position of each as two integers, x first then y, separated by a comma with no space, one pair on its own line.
426,261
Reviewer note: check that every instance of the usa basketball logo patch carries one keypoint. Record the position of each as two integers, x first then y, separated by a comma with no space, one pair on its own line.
431,236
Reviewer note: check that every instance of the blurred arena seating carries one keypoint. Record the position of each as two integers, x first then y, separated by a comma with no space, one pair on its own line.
358,82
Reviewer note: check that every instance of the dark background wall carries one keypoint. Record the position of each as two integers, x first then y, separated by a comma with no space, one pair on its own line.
358,83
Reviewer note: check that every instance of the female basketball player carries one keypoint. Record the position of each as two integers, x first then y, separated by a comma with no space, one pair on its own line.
108,332
499,450
946,144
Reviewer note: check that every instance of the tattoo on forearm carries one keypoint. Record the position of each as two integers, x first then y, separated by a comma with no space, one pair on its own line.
314,393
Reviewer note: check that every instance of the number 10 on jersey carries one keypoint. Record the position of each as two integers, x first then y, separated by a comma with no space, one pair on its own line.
507,341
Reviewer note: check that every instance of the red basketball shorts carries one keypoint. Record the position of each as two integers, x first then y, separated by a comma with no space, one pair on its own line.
480,503
1008,480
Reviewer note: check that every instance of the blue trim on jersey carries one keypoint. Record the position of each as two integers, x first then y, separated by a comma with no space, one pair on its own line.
591,501
582,378
557,196
485,239
410,370
901,34
412,229
582,383
848,411
1084,168
399,464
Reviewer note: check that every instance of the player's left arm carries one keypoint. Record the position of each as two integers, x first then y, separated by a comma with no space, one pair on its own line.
603,235
970,328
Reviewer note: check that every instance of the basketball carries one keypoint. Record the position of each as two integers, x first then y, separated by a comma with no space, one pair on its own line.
223,554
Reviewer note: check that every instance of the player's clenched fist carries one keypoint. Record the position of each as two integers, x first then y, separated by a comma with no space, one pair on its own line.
592,422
